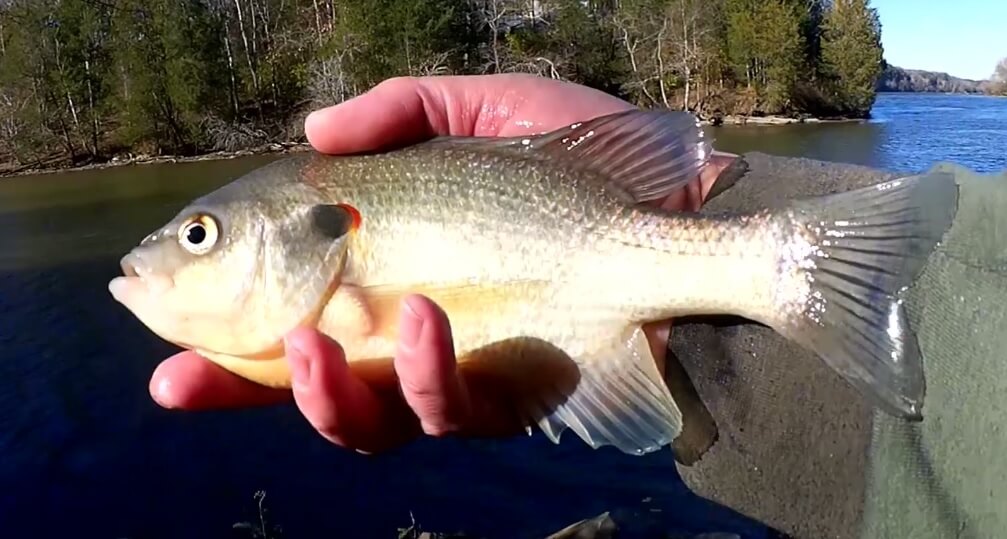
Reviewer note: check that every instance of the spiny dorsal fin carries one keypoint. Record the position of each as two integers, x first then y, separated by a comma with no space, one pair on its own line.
646,154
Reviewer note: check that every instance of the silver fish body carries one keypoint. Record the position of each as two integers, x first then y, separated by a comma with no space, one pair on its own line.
542,250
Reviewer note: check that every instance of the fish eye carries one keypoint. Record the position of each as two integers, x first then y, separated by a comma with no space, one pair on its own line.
198,234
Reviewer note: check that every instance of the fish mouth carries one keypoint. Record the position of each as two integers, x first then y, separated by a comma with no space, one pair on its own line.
138,278
129,264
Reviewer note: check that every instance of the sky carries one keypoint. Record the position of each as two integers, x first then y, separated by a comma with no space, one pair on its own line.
965,38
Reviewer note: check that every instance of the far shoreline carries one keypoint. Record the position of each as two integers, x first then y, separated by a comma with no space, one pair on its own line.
732,120
7,170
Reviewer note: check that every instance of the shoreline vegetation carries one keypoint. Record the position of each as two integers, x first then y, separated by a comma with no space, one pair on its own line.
602,526
87,84
10,170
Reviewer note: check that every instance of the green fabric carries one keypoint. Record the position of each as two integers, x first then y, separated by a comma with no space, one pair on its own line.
792,436
947,477
799,449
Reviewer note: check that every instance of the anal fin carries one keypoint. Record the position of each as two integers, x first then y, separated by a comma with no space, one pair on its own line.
620,399
613,394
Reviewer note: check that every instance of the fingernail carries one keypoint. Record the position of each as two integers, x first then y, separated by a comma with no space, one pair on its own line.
162,394
300,367
315,120
411,326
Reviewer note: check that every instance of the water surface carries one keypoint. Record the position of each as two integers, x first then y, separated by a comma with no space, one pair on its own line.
907,133
86,453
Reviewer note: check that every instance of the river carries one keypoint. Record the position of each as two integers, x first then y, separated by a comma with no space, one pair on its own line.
86,453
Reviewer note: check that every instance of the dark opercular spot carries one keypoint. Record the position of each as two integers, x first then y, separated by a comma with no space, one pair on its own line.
332,220
196,234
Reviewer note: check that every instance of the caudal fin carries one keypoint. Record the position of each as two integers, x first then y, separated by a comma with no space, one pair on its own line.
868,246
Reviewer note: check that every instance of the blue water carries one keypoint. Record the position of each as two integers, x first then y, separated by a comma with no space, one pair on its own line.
906,133
86,453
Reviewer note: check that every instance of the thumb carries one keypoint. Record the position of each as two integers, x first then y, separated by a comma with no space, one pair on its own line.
395,112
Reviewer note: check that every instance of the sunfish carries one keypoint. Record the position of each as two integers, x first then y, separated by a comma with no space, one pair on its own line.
538,247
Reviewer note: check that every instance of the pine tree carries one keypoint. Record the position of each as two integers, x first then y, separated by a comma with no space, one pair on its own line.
779,45
766,47
852,54
170,71
55,57
402,37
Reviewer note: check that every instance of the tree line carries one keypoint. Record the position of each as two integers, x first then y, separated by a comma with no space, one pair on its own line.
897,79
83,80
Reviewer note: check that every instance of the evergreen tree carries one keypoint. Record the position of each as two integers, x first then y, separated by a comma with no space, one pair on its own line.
167,55
403,37
778,47
742,29
55,57
765,46
852,54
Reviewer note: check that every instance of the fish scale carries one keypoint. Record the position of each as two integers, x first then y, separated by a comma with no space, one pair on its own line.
548,255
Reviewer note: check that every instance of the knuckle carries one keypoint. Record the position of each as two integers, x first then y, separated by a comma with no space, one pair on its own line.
432,394
399,82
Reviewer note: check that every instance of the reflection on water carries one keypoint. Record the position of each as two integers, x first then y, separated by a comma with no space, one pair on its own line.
858,143
59,218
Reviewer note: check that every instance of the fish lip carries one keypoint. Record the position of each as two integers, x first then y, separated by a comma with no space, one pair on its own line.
137,275
130,265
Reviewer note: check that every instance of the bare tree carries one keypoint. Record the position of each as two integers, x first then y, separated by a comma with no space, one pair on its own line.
496,17
690,30
249,51
999,78
1000,73
639,29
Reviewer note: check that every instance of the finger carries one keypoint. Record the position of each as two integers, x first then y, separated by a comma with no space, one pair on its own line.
404,110
425,363
657,334
340,406
719,162
190,382
685,198
397,111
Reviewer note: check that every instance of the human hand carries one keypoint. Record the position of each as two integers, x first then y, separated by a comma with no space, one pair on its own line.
434,399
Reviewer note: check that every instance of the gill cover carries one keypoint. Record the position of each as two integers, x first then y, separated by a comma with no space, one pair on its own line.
296,268
241,266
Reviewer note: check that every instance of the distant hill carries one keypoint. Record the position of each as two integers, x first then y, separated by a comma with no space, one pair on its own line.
897,79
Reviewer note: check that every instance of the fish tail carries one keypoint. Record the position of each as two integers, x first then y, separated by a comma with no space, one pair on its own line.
854,254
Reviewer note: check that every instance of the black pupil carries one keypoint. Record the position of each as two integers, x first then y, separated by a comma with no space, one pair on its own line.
196,234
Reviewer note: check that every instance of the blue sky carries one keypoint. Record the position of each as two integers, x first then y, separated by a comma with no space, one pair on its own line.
965,38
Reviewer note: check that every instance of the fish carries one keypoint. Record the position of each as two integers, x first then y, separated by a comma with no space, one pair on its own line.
548,255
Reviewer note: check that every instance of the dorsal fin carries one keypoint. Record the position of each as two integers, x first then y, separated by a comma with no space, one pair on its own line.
646,154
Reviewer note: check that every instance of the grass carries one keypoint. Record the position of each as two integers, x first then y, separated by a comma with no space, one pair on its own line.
260,529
